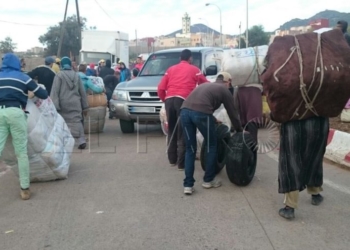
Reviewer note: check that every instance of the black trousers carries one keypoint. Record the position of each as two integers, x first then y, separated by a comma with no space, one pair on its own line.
176,142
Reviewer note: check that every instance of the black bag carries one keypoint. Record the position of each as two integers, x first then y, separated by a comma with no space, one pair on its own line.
241,159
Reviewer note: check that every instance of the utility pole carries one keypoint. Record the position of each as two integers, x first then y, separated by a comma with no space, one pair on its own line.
136,42
247,41
63,27
62,31
79,23
240,32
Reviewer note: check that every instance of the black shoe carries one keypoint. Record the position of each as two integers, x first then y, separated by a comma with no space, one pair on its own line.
287,213
180,169
82,146
316,199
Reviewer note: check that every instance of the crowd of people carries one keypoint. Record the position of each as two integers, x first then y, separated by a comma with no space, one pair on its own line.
190,101
66,83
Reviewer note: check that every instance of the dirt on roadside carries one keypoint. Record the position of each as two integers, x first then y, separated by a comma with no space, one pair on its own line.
336,123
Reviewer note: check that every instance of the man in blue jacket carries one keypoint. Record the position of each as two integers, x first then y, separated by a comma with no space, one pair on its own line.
14,87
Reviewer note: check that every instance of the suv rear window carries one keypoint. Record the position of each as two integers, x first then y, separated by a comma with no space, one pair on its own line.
157,64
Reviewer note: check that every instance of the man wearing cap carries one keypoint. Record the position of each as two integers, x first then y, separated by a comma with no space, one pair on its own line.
343,26
101,63
197,112
177,83
14,87
44,74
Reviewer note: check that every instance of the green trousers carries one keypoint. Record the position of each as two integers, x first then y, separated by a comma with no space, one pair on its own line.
13,121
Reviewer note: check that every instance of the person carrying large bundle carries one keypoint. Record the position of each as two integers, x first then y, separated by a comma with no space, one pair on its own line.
307,80
245,66
69,96
13,100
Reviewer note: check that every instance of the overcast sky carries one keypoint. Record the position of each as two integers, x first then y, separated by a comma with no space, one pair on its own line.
153,17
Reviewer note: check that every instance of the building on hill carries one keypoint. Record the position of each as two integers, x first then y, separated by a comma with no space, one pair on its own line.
313,25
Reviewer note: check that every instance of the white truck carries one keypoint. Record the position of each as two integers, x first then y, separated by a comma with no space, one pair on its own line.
97,45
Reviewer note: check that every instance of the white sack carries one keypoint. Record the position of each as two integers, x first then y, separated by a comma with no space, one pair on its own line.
50,143
98,81
244,65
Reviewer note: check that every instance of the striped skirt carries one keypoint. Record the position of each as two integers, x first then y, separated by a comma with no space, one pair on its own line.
303,145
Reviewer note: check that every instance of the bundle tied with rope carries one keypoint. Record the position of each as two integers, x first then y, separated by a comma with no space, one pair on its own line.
307,75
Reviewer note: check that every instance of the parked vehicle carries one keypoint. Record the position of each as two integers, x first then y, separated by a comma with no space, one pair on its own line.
97,45
137,100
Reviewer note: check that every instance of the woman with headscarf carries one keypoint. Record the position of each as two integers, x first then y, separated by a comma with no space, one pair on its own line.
87,83
125,74
69,97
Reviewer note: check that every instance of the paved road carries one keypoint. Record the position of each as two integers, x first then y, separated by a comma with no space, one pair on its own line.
123,196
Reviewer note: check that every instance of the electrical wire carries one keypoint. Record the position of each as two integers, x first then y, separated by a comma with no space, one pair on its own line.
27,24
105,11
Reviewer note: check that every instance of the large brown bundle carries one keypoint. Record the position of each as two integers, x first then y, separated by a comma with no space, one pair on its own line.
97,100
307,75
94,122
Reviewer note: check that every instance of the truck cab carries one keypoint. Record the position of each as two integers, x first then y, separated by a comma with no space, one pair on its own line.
137,100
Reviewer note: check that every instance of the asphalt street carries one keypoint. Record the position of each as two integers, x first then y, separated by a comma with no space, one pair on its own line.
121,193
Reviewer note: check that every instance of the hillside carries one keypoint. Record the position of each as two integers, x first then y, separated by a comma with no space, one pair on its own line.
332,15
195,28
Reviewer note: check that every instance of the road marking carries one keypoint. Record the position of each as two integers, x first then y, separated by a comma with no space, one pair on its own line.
336,186
329,183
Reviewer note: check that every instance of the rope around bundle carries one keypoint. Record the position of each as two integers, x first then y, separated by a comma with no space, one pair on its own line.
303,90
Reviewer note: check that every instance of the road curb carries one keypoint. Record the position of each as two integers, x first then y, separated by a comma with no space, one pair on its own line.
338,147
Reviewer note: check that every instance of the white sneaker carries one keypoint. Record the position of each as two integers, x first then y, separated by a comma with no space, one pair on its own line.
213,184
188,190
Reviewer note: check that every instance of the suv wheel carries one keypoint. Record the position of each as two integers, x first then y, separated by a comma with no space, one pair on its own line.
127,127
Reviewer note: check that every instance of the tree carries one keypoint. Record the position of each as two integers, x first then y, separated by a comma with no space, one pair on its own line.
243,43
71,38
257,36
7,46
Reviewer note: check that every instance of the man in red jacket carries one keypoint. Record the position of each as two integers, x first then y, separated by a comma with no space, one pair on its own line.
177,83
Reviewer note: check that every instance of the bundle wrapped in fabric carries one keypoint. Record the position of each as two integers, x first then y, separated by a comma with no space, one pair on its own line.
97,100
244,65
50,143
97,81
307,75
94,122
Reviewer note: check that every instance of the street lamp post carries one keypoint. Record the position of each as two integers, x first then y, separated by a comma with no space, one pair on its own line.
206,40
220,21
247,41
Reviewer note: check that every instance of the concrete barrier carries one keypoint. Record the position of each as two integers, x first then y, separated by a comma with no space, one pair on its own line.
338,148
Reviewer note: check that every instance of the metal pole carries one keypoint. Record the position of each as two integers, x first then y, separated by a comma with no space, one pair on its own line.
247,41
136,42
62,31
240,34
220,27
207,4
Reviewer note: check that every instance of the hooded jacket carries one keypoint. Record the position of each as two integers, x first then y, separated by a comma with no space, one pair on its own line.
14,85
90,71
45,76
106,70
344,29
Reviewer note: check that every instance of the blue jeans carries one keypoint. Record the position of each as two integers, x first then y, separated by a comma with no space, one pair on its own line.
191,120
